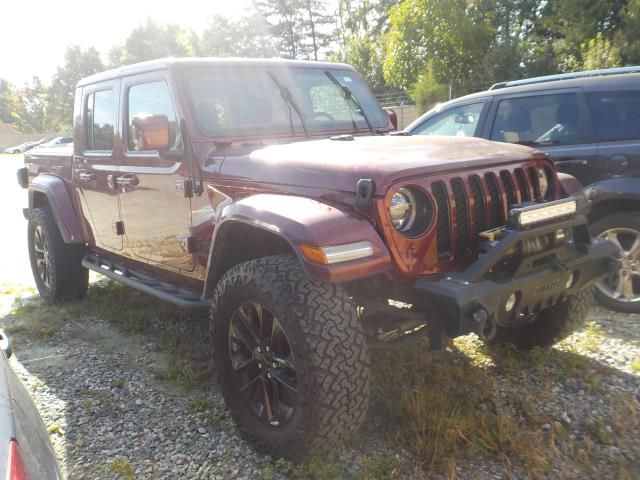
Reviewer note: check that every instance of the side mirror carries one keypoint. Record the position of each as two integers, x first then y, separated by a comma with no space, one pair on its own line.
465,118
393,118
5,345
150,132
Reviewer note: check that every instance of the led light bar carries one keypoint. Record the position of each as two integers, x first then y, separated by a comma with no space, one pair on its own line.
543,213
349,251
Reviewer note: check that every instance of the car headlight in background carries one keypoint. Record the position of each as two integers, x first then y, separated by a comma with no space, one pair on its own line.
403,209
543,182
412,211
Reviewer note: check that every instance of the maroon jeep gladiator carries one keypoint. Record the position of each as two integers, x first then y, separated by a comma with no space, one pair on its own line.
269,193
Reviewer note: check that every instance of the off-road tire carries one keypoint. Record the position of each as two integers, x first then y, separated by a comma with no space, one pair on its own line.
552,324
630,220
69,280
332,365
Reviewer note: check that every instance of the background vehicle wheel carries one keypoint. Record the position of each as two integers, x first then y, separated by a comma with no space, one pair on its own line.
56,265
620,289
15,152
291,356
552,324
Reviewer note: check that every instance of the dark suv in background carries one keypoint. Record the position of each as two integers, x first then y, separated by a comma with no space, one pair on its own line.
589,123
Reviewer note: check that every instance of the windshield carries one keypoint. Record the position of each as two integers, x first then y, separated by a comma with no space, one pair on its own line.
241,101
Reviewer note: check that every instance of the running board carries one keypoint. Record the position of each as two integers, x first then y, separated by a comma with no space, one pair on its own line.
183,298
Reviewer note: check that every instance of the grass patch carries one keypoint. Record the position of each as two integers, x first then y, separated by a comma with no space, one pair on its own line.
122,467
381,467
442,407
635,365
185,352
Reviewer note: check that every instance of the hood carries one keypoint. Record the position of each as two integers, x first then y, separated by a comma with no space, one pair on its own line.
339,164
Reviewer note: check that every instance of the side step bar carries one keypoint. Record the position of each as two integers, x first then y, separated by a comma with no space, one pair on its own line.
165,291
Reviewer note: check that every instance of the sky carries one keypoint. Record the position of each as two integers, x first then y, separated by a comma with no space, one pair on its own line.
35,34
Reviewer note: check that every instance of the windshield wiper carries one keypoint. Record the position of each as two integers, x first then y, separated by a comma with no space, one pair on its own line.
349,96
285,93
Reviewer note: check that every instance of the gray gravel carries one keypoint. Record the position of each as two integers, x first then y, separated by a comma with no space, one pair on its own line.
111,413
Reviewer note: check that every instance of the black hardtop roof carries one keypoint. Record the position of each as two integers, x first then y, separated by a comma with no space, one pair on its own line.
166,63
586,83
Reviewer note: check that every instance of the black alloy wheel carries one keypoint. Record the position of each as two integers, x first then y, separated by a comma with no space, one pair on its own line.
42,256
263,363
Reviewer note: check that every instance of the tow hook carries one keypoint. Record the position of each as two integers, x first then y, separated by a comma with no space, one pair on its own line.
487,328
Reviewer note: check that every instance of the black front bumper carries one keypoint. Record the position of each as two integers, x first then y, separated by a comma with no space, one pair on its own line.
475,299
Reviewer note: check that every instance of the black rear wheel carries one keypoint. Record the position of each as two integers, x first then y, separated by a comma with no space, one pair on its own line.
291,356
56,266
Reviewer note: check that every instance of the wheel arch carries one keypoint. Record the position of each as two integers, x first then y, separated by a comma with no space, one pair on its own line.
613,195
51,191
271,224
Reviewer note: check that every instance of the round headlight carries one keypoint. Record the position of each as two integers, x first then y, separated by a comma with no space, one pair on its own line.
543,182
403,209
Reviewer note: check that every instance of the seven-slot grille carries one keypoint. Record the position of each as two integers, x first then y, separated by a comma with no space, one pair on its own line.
467,206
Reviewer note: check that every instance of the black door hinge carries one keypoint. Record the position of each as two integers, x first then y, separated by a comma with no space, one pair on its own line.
189,187
118,227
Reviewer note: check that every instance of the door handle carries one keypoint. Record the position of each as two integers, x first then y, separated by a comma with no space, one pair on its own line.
87,176
128,180
568,162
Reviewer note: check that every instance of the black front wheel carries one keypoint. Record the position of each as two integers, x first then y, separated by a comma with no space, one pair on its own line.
291,356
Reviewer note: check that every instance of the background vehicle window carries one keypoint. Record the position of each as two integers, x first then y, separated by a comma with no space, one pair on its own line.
616,115
459,121
539,121
99,120
151,102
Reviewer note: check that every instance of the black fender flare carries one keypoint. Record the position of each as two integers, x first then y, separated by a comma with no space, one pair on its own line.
623,188
60,200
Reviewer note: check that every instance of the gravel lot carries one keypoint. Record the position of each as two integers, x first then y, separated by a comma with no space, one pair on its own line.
127,390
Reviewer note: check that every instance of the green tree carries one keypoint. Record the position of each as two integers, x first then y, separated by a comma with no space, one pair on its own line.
246,37
30,112
453,35
7,101
151,41
299,26
287,25
595,54
78,63
427,91
626,37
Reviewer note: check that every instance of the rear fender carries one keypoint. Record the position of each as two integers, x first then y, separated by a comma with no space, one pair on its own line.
59,198
298,221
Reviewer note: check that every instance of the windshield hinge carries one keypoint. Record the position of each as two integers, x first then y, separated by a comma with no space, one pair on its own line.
365,188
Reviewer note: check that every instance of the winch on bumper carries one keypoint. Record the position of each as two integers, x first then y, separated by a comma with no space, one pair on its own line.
544,255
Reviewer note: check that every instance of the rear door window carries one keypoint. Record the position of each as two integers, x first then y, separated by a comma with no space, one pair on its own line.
459,121
616,115
99,120
543,120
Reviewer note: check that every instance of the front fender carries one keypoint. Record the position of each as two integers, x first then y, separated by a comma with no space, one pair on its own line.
623,188
60,201
300,220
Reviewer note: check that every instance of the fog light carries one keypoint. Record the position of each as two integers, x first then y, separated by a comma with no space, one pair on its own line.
511,302
569,283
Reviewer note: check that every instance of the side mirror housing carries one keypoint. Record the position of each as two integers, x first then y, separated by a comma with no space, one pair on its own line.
5,345
150,133
393,118
465,119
